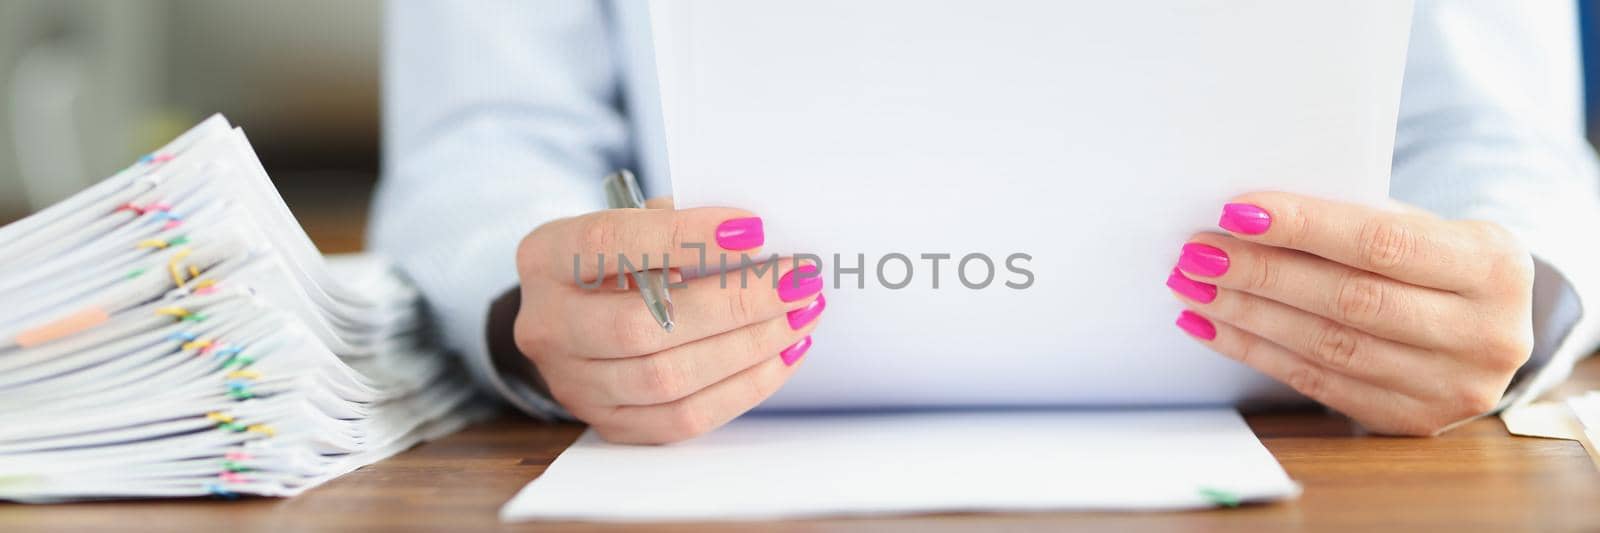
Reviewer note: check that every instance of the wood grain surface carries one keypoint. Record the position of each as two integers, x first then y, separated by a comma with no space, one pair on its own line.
1476,477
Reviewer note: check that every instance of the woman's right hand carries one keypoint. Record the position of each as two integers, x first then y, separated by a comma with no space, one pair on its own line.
607,361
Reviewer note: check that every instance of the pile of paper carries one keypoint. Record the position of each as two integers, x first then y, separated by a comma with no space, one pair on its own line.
172,331
1586,412
1576,418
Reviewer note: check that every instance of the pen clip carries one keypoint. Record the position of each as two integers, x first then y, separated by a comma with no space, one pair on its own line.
622,191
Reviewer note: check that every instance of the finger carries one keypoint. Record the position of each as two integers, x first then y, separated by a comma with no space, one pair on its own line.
1363,300
1416,249
586,248
1374,405
702,411
1334,346
624,283
673,374
659,202
1402,207
622,326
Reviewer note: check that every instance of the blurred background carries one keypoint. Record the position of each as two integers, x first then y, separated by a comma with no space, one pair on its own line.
86,86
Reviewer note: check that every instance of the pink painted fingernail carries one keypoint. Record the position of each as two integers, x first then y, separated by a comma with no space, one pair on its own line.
792,287
798,318
1204,260
1245,218
1196,325
1191,289
794,352
740,233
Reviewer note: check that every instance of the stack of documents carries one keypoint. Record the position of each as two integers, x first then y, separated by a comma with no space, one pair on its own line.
172,332
1576,418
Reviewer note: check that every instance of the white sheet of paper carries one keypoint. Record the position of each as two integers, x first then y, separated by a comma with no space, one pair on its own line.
1095,136
792,465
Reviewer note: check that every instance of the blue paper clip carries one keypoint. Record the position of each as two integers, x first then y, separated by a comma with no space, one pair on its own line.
219,492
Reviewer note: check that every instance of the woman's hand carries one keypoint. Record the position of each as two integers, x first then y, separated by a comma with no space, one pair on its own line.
1404,321
607,361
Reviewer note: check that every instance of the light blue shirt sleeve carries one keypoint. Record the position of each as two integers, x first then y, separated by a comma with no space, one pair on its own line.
1491,128
499,116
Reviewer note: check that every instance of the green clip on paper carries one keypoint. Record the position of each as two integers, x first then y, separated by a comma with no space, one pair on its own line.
1219,497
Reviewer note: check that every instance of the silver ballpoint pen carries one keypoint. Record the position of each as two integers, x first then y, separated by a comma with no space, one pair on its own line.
622,191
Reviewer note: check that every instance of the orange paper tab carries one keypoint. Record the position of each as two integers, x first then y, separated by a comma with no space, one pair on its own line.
63,327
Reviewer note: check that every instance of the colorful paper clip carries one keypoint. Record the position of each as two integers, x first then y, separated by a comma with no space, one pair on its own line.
171,220
176,267
239,383
155,159
239,361
225,351
204,287
225,421
217,491
1219,497
182,314
162,245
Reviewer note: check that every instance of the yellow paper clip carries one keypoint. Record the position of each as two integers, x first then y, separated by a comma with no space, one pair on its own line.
176,268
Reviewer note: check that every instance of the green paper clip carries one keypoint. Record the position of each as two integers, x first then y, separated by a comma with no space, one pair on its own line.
1219,497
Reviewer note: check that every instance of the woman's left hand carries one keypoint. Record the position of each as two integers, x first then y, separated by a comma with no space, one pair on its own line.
1404,321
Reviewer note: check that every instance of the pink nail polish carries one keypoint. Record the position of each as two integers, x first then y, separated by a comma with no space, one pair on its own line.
1196,325
740,233
794,352
791,288
798,318
1203,260
1191,289
1245,218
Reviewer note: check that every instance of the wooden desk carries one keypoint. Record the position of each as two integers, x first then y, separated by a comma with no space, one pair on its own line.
1474,478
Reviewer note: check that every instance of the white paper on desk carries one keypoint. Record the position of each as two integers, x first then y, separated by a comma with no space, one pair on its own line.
1096,136
791,465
